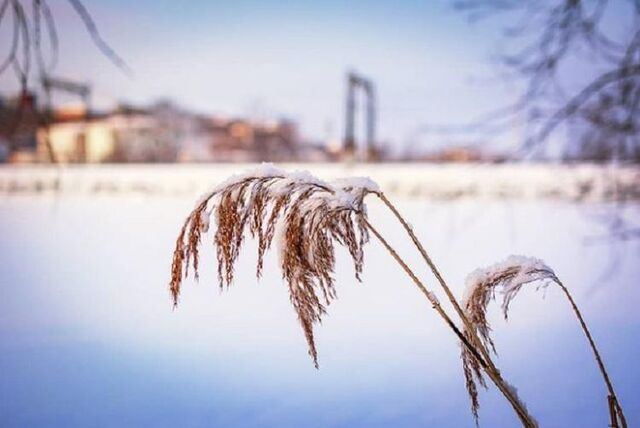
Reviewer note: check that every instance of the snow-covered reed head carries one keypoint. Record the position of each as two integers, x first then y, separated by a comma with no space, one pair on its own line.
304,215
508,277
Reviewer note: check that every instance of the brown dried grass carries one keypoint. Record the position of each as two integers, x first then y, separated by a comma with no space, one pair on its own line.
307,217
508,277
478,296
310,217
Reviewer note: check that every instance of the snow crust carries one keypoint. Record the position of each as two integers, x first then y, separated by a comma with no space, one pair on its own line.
343,189
265,170
364,183
584,182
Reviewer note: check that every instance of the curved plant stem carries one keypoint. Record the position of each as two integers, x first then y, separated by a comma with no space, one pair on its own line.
494,375
489,366
432,266
429,295
615,409
617,414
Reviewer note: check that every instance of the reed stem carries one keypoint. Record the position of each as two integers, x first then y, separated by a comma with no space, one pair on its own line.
429,295
616,412
435,271
489,367
494,375
615,409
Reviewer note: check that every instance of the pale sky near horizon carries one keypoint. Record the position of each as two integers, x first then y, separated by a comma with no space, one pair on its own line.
272,59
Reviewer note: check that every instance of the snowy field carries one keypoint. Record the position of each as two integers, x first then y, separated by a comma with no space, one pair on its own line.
584,182
88,336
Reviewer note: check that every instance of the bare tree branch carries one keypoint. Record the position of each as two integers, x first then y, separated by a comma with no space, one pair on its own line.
573,106
543,48
106,50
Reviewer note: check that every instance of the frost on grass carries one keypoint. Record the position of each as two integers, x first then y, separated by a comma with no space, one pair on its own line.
507,277
304,215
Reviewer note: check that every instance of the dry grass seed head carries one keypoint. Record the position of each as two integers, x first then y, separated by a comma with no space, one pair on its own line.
187,253
508,277
312,215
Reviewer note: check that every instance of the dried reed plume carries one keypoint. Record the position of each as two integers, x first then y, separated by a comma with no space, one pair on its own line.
303,214
508,277
305,217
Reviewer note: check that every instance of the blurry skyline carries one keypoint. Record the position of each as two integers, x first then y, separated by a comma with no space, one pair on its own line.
270,60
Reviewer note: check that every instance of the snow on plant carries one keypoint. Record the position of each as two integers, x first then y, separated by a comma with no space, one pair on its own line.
508,277
510,274
481,286
305,218
311,216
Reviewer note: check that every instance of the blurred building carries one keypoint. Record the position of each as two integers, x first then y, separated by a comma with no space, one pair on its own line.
241,140
166,134
19,120
125,135
158,133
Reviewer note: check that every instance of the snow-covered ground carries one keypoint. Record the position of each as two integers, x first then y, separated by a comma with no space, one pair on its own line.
435,181
88,336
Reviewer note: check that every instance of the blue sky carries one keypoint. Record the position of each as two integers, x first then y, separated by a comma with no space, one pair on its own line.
273,59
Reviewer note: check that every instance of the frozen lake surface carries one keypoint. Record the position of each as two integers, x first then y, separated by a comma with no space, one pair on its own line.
88,336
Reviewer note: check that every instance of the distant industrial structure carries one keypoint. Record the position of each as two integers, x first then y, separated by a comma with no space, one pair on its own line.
357,83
